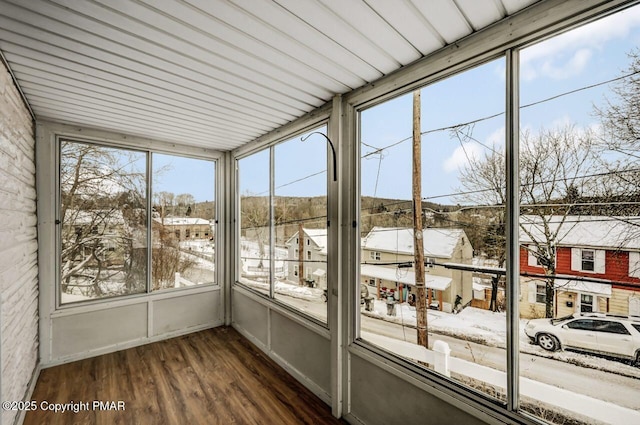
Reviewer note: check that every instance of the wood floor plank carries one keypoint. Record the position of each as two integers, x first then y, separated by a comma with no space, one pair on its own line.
210,377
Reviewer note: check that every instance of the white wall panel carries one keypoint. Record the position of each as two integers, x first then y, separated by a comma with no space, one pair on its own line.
79,334
380,398
251,317
307,352
187,311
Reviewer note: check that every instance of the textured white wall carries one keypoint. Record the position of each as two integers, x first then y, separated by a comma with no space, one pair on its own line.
18,246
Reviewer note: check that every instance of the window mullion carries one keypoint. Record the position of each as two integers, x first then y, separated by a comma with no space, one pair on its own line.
149,192
512,227
272,233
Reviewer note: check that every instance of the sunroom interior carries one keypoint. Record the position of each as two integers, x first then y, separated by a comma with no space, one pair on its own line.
149,155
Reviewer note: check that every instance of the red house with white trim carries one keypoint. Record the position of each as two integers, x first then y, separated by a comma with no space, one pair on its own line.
597,264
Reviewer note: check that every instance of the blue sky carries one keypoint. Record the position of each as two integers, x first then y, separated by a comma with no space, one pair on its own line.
184,175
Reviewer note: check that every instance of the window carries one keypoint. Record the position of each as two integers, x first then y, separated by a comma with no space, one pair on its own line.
561,123
583,325
586,303
458,159
283,201
105,222
588,260
541,293
610,327
183,195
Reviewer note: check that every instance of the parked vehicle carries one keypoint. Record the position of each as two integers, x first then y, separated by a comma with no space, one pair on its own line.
615,336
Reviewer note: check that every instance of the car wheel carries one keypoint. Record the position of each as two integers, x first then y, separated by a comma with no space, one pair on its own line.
548,342
638,359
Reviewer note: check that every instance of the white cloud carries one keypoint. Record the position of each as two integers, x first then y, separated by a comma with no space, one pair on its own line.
568,54
473,150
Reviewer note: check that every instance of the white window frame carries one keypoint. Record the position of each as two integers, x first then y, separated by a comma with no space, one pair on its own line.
375,255
634,264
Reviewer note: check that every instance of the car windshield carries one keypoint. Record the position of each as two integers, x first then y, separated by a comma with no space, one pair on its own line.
560,319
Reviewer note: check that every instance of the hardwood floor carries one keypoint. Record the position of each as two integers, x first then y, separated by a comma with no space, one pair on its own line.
211,377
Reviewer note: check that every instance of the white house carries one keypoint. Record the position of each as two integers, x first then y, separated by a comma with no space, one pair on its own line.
314,257
384,248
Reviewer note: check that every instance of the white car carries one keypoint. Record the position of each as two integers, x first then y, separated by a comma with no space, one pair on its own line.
598,333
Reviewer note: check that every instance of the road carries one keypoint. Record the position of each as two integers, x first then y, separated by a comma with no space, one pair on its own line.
606,386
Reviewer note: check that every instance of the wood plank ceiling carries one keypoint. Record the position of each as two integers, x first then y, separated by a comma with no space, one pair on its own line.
217,73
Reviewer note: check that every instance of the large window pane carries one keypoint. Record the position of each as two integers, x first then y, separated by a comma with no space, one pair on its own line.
300,223
579,223
183,236
255,264
463,183
103,230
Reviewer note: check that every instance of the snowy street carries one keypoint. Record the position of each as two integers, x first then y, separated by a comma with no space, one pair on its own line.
618,383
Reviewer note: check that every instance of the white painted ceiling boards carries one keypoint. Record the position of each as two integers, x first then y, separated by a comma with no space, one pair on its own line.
217,73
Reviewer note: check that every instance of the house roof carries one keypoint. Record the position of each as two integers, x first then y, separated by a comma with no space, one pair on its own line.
440,243
404,276
317,236
182,221
584,231
216,73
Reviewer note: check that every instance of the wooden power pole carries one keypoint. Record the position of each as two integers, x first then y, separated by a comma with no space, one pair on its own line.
300,254
418,243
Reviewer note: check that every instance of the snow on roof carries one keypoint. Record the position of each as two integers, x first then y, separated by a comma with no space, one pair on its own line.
318,236
588,231
404,276
437,242
184,221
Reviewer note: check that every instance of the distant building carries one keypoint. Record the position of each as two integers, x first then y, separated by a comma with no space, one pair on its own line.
183,228
383,248
602,253
314,257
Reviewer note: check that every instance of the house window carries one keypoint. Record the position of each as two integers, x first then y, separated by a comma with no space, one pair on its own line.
372,282
588,260
283,199
187,233
541,293
374,255
177,233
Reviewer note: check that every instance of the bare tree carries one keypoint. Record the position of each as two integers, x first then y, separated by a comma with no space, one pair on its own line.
101,190
556,169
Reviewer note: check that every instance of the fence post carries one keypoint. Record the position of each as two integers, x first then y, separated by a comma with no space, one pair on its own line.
441,357
177,283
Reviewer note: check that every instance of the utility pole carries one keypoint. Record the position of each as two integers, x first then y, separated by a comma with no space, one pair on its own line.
418,243
300,254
